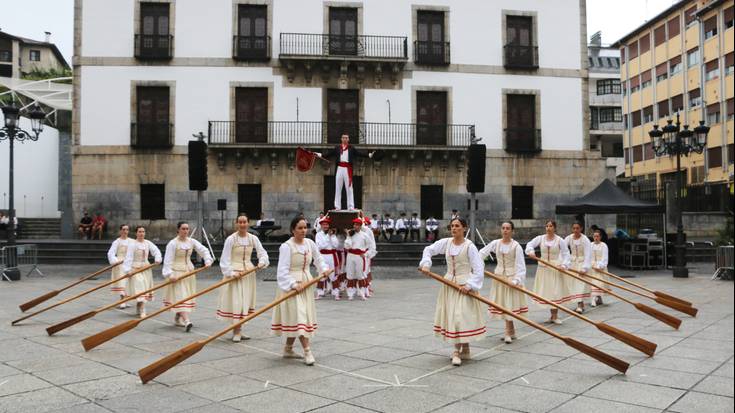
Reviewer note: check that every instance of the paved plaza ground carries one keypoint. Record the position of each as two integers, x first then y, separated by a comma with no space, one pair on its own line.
373,356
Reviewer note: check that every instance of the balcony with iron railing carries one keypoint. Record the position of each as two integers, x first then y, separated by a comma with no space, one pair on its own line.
328,46
431,53
315,133
520,57
252,48
154,46
522,140
151,135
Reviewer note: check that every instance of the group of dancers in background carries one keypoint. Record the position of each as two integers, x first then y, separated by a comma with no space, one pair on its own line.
343,258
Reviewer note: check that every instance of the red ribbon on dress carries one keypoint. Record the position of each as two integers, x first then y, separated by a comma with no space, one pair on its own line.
347,165
361,253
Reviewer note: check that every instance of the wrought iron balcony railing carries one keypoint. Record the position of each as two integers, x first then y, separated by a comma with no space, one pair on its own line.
520,57
522,140
151,135
294,133
154,46
431,53
356,47
251,47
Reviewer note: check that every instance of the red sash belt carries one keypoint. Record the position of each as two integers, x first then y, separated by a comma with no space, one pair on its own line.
347,165
361,253
335,256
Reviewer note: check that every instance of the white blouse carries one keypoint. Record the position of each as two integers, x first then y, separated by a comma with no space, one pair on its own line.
112,252
168,258
520,263
146,245
372,247
440,247
283,273
581,241
603,253
326,241
225,261
564,258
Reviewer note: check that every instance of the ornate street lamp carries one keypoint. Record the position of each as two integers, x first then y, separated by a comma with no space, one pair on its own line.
673,140
12,132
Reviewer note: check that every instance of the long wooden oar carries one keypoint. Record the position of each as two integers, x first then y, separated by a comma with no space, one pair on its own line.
104,284
656,293
38,300
112,332
159,367
634,341
658,315
78,319
616,363
668,303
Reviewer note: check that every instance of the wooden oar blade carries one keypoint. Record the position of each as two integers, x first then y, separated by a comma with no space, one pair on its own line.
159,367
70,322
659,315
601,356
36,301
107,335
634,341
671,298
682,308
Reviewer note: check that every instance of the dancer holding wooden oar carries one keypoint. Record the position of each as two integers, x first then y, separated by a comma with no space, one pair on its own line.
512,268
458,318
638,343
38,300
599,266
297,317
93,289
659,315
549,282
137,256
581,253
116,254
177,261
598,355
161,366
237,299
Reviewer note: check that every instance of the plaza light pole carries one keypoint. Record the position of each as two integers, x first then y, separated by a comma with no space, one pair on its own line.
673,140
12,132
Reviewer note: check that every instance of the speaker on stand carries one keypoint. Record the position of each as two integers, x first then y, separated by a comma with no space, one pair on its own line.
222,207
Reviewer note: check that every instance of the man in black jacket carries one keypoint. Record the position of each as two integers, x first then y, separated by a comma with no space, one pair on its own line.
344,156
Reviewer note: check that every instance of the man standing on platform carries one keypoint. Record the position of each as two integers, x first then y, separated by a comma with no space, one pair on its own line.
345,156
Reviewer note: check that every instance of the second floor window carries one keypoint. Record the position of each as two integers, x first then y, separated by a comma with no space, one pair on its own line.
608,87
34,56
152,127
430,45
251,114
154,40
343,31
610,115
252,34
431,118
519,49
521,134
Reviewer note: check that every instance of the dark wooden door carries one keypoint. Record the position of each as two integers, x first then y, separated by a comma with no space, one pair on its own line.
430,32
251,114
432,201
343,30
521,122
249,201
252,40
329,192
154,24
431,118
153,128
343,115
519,40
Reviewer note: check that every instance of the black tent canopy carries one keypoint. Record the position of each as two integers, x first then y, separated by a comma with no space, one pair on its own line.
607,198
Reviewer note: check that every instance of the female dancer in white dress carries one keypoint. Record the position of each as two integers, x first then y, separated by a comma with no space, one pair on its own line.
581,253
117,252
296,317
550,283
458,318
512,267
599,262
138,253
237,298
176,262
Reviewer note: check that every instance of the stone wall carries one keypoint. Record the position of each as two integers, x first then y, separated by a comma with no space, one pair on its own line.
107,179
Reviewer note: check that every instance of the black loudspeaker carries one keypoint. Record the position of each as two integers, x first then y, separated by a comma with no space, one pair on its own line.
197,166
476,169
221,205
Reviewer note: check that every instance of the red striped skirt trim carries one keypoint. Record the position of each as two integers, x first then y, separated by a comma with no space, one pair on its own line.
305,327
597,290
237,316
576,296
515,311
117,289
559,301
182,305
459,334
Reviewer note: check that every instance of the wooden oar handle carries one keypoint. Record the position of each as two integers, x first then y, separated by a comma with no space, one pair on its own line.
616,285
571,274
492,304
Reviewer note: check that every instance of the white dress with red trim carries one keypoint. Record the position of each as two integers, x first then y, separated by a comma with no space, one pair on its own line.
581,253
459,318
296,316
237,298
550,283
117,252
512,267
599,262
137,257
177,261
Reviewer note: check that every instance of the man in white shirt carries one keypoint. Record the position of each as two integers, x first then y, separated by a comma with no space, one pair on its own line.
414,227
387,226
402,226
432,229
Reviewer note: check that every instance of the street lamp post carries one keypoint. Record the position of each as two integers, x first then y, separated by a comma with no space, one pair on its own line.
13,132
673,140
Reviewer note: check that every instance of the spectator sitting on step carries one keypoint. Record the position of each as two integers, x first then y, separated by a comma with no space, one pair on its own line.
387,227
85,226
432,229
402,226
375,226
414,227
99,225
